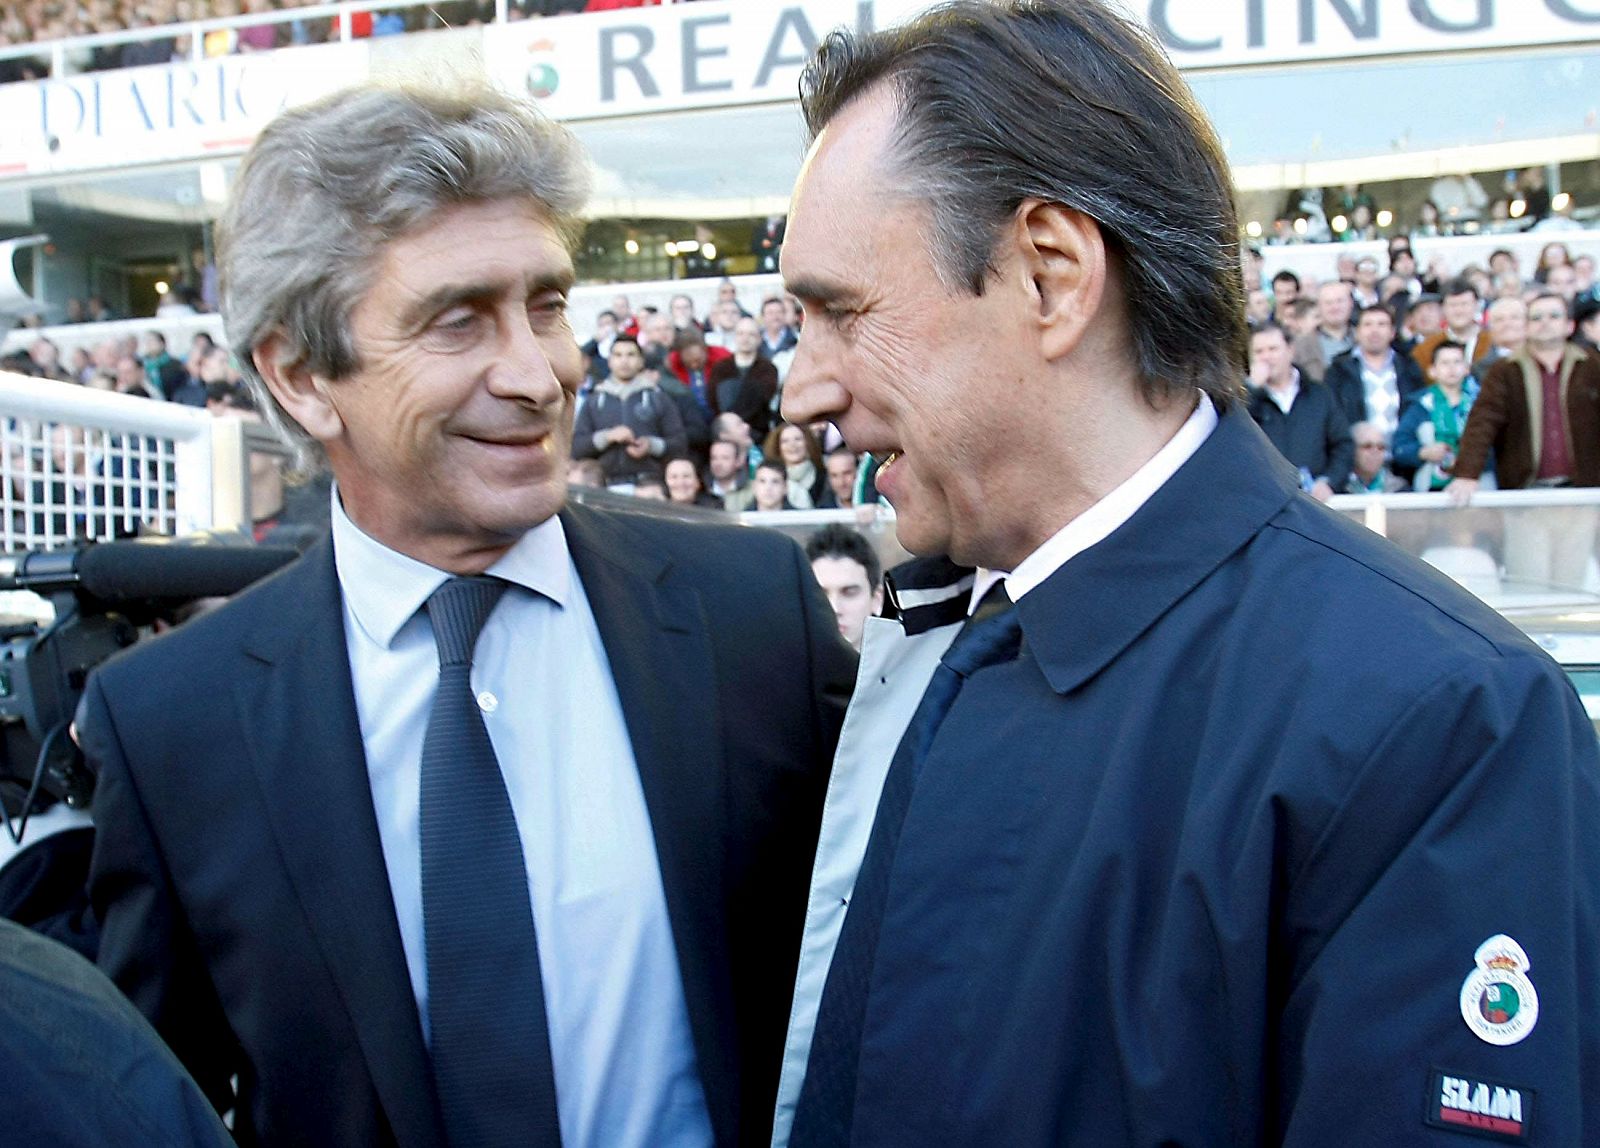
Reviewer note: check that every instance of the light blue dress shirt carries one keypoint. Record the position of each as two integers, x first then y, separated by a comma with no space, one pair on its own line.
624,1057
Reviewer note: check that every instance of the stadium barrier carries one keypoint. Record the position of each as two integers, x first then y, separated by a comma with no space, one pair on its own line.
84,465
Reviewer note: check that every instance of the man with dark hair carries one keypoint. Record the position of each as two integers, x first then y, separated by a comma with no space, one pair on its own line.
848,570
745,382
1403,265
776,334
629,423
1420,319
441,856
598,348
1371,381
1124,850
1285,290
687,382
1303,419
770,486
730,477
1462,310
842,466
162,372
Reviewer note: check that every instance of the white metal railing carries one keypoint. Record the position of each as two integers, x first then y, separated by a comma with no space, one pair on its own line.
84,465
1515,549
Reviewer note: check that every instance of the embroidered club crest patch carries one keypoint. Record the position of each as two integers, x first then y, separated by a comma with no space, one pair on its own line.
1498,1001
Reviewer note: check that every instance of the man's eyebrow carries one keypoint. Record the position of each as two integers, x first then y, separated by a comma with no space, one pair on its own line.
449,295
814,290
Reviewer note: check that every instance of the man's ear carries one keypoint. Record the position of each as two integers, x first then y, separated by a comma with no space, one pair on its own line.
1064,255
299,392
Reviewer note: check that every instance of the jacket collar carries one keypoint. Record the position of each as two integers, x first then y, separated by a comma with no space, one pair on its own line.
1098,604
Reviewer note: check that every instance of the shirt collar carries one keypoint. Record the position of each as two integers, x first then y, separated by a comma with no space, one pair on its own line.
384,588
1096,523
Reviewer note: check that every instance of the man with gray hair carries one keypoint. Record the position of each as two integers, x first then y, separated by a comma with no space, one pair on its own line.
1122,847
442,857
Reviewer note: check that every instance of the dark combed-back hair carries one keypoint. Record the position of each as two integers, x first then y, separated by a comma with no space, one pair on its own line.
836,540
1067,102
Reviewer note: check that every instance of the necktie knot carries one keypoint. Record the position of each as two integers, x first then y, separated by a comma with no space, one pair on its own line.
993,634
458,609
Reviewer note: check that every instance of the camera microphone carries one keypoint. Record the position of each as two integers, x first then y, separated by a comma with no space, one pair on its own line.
114,572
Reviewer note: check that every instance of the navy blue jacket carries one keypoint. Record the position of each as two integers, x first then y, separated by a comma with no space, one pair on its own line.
240,879
1195,870
83,1068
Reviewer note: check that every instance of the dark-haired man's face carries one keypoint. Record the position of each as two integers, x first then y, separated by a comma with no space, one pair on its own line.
625,361
842,477
1460,311
692,356
903,364
844,581
724,461
771,489
1374,332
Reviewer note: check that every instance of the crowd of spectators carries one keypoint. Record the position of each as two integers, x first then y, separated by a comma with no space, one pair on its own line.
686,408
1432,382
1366,382
42,21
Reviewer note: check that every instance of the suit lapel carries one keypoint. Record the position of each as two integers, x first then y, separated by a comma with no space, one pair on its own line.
655,634
313,778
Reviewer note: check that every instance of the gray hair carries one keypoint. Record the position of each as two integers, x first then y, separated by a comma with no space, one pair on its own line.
327,186
1001,101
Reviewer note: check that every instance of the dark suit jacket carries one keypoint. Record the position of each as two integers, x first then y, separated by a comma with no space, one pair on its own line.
1344,380
238,871
1192,870
751,399
1503,420
1314,434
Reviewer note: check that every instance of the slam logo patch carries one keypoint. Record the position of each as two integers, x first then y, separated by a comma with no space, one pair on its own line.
1488,1108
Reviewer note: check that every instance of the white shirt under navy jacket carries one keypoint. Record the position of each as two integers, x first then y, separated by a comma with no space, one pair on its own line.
894,672
625,1066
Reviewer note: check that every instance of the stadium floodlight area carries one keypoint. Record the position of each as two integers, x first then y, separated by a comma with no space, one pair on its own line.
80,465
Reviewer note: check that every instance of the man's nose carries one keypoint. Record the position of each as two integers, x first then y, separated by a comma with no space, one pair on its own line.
812,391
523,369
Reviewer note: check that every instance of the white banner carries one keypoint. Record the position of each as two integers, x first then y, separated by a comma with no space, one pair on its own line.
729,52
709,54
1229,33
136,116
